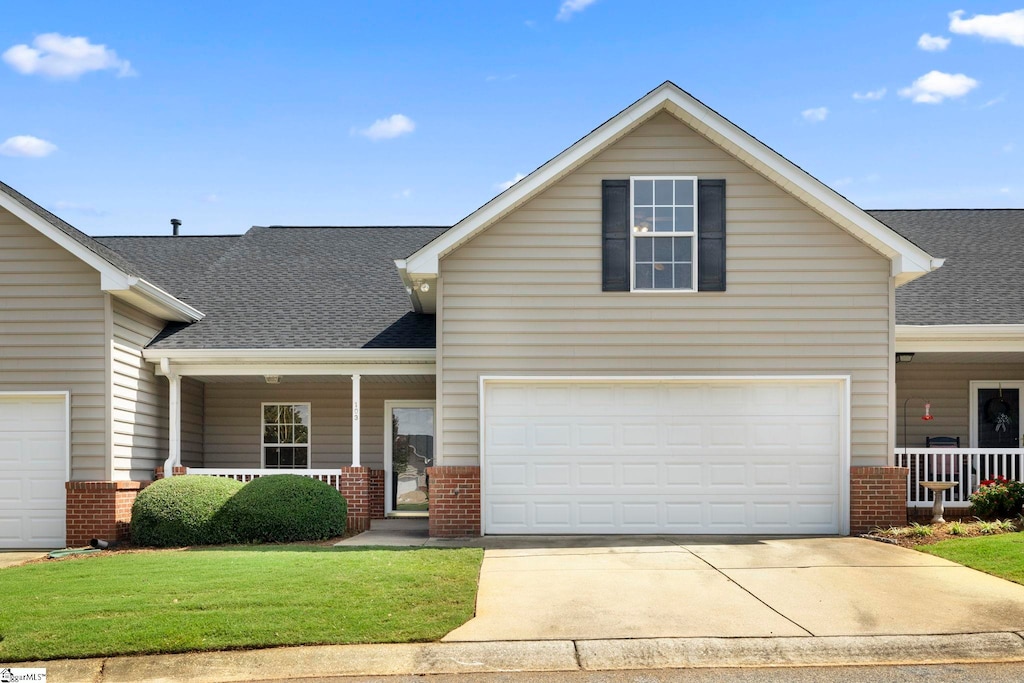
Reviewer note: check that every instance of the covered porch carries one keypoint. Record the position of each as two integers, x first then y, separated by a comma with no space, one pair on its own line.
363,423
958,415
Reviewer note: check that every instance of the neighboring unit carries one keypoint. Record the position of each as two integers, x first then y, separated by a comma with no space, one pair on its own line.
667,328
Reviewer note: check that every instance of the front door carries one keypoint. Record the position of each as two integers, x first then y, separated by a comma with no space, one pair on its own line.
995,419
409,451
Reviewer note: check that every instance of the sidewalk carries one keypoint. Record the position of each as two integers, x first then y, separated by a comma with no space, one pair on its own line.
525,656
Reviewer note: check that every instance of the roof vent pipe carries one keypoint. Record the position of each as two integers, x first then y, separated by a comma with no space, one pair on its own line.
175,224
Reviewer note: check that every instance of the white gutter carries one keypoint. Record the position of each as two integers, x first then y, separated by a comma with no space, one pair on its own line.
292,355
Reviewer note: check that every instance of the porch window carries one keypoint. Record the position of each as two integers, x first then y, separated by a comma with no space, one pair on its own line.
286,435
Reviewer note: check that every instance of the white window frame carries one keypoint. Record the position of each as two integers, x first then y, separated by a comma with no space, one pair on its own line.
633,235
309,439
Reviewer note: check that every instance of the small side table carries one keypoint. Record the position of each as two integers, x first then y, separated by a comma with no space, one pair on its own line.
937,487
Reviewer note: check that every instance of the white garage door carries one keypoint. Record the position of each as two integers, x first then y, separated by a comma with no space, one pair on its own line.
33,469
666,456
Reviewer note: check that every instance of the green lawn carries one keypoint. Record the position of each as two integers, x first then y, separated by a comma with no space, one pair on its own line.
1001,555
236,597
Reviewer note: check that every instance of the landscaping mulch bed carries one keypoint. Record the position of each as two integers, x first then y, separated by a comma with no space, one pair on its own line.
928,534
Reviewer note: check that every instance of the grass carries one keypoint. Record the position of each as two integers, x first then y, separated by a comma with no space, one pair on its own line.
1001,555
233,597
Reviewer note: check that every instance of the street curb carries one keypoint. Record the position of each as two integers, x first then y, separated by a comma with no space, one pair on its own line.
678,653
537,655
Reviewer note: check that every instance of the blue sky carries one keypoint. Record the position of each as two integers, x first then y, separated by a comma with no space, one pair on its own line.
228,117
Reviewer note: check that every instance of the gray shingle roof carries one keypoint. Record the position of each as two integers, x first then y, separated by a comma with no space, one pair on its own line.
982,280
286,287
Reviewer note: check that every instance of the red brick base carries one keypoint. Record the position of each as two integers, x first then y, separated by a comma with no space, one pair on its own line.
178,471
99,509
454,501
363,490
878,498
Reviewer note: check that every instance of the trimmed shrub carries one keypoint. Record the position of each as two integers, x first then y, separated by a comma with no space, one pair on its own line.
997,498
285,507
182,510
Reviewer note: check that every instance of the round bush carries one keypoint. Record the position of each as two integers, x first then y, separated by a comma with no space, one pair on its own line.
182,510
285,507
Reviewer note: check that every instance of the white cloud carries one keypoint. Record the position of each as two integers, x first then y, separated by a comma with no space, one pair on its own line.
994,101
843,182
930,43
27,146
403,194
936,86
1007,27
1004,190
60,56
816,115
870,95
210,198
391,127
571,7
1008,148
509,183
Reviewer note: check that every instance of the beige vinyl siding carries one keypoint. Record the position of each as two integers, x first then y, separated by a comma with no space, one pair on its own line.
52,335
193,398
804,297
233,428
140,397
948,387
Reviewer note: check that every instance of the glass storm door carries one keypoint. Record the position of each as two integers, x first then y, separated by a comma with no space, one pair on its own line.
997,414
410,451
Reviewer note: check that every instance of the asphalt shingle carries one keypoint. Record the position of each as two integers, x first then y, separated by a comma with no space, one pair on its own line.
982,280
286,287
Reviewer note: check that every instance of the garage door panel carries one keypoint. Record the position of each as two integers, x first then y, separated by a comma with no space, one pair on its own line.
605,475
679,434
629,514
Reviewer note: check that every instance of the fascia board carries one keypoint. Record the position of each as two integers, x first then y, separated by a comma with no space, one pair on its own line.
425,261
243,356
913,261
136,290
959,338
111,277
154,300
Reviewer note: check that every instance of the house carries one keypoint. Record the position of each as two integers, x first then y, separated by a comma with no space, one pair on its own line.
667,328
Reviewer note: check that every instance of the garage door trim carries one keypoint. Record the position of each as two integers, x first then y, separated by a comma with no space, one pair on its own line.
844,417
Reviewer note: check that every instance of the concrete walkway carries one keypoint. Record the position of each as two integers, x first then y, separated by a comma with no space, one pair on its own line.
686,587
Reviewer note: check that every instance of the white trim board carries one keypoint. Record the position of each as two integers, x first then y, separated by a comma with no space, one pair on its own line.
845,427
134,290
959,338
908,260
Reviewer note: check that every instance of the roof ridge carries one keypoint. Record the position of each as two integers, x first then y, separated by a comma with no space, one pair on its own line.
981,209
351,227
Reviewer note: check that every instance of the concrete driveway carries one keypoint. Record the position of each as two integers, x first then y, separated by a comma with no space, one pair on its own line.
665,587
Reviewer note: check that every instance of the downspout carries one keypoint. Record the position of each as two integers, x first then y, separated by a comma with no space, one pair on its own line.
174,419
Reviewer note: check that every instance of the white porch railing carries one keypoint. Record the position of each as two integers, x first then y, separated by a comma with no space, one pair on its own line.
332,477
967,466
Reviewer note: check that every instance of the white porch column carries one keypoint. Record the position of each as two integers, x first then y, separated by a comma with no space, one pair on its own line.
355,421
173,426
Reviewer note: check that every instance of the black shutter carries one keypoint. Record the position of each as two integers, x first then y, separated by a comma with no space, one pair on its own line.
711,235
615,235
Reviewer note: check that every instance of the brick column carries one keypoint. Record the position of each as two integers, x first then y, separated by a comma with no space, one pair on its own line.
363,490
454,501
878,498
99,509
